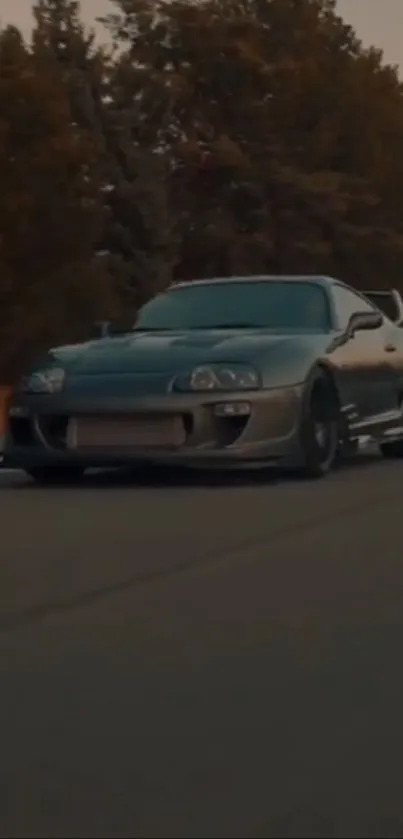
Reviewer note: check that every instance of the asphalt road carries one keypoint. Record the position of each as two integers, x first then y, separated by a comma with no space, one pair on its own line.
202,658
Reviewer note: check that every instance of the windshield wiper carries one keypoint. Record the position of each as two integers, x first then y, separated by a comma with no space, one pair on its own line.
196,328
232,326
151,329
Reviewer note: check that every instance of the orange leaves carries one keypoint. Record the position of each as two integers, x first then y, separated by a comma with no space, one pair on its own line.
226,135
227,153
48,228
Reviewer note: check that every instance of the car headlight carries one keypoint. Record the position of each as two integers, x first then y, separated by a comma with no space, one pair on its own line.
50,380
219,377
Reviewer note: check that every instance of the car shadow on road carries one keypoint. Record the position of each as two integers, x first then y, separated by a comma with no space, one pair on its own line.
154,478
168,477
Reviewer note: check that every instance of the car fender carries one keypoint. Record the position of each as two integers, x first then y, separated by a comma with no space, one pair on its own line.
292,361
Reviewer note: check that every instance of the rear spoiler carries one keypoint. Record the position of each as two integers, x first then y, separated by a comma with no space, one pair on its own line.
384,299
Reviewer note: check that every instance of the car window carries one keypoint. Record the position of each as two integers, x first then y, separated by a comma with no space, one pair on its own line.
278,305
347,303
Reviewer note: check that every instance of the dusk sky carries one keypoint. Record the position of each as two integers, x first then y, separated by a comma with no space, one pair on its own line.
378,22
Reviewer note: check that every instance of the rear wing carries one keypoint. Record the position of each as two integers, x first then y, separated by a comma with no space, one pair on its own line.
389,302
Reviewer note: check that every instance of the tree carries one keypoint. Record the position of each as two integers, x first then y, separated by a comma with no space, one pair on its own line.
260,107
216,137
135,239
51,285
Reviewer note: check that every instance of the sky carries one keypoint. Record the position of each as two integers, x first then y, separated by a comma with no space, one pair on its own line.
377,22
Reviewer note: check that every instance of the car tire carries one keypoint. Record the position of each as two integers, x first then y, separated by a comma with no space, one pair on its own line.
56,475
319,427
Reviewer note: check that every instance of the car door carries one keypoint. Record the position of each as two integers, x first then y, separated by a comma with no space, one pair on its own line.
363,364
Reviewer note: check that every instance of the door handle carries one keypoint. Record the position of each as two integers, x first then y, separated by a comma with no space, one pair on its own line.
390,348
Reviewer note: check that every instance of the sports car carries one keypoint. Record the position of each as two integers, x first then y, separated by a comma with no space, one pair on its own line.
285,371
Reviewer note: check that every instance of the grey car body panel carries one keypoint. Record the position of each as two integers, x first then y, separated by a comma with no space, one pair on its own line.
135,373
281,359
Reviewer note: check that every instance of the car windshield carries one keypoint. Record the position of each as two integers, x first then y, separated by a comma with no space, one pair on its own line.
279,305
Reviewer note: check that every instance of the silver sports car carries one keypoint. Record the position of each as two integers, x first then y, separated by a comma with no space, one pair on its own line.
255,371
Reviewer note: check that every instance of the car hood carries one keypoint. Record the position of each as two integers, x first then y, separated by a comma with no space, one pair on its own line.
167,352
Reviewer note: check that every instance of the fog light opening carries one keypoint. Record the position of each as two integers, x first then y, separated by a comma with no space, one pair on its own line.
232,409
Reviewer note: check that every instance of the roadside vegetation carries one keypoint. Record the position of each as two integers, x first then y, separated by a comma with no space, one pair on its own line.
200,138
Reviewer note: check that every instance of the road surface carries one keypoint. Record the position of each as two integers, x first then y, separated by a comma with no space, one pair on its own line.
202,658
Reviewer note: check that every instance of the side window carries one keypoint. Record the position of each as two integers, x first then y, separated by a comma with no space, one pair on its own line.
346,303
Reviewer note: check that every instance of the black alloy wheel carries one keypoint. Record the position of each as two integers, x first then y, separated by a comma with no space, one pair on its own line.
319,428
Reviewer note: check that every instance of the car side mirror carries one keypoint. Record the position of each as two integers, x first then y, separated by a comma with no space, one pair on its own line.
364,320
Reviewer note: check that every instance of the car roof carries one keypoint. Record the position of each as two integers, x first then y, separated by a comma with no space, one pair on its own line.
292,278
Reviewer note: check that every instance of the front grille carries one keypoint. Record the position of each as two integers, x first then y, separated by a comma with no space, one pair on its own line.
123,433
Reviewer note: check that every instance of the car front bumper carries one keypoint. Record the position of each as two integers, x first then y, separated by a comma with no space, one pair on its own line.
212,436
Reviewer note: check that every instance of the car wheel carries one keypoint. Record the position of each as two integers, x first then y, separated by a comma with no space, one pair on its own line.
56,475
319,428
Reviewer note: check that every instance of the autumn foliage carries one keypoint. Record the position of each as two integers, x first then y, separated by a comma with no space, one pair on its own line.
223,136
